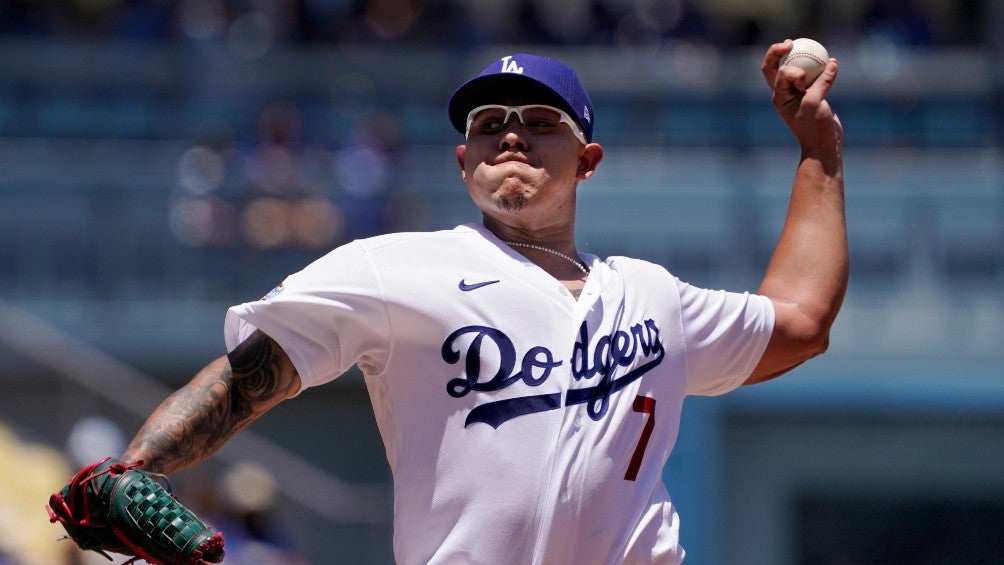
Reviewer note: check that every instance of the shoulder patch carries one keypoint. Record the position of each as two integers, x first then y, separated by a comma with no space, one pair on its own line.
273,293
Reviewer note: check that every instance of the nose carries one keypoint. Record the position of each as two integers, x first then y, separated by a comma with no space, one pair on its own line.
512,137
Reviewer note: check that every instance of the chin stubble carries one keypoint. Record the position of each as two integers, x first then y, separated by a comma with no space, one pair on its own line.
514,204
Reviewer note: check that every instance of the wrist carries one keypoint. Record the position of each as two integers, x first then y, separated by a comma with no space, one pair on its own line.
816,161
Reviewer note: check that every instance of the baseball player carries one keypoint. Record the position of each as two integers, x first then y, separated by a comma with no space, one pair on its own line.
528,394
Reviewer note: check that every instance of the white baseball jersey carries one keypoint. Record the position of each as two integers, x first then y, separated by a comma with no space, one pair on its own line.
521,425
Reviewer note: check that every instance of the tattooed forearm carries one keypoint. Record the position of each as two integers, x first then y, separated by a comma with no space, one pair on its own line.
223,399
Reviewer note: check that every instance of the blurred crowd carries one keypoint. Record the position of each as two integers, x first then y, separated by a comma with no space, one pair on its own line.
274,186
28,471
277,189
724,23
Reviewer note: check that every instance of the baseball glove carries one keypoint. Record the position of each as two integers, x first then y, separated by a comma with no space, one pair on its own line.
112,506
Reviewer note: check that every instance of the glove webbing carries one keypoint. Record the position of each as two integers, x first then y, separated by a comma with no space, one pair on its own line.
138,503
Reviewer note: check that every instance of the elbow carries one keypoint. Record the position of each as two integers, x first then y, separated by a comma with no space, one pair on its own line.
808,331
821,344
815,340
788,350
800,333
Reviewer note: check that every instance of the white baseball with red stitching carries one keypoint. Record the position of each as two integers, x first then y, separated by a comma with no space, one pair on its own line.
807,54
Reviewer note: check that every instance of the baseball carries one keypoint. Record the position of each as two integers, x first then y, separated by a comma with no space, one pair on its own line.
807,54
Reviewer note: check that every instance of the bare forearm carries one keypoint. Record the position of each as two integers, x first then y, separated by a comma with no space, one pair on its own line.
222,399
809,266
807,275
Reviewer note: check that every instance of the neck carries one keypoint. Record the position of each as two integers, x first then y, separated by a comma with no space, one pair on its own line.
555,252
560,238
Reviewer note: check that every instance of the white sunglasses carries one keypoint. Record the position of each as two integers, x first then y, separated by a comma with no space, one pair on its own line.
536,118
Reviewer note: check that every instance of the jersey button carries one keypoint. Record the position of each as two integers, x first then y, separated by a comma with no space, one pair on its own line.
563,497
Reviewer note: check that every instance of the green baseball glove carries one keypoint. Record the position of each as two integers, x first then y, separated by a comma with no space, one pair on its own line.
112,506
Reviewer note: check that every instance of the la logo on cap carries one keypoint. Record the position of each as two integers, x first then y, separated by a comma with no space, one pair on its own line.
509,65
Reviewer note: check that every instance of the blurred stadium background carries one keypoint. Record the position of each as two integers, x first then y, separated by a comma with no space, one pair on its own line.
160,161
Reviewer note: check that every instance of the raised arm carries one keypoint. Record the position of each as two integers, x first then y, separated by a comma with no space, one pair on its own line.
223,398
807,275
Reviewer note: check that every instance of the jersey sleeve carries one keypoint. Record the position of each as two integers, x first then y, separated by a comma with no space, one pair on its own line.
327,317
726,333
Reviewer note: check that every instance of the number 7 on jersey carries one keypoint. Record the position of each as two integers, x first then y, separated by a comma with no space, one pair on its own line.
645,405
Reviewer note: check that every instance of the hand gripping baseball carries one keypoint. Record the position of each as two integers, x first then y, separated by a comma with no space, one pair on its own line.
801,104
112,506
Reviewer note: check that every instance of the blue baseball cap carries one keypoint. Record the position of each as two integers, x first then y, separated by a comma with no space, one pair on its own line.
538,79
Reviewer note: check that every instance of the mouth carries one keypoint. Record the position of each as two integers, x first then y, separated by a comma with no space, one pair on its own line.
509,157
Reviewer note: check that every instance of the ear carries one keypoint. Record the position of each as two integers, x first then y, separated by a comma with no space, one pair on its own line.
461,159
589,159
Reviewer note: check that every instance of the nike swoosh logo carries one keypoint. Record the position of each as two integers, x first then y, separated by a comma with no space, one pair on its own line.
468,287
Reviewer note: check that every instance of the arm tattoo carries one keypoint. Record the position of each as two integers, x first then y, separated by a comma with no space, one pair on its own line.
223,399
258,365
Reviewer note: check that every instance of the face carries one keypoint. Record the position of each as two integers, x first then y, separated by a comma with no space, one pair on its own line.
524,168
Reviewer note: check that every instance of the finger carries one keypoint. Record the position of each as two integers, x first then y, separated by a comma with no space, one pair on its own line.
772,58
789,78
824,82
